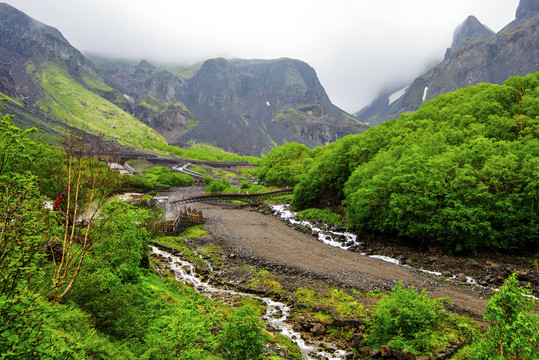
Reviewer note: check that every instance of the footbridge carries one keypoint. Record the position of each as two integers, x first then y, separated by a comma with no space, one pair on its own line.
245,196
186,218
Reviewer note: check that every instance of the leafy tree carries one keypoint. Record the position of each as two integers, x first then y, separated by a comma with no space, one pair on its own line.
283,164
24,234
89,184
217,186
513,331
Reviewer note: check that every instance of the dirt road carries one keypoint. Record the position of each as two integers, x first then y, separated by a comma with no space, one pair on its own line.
266,239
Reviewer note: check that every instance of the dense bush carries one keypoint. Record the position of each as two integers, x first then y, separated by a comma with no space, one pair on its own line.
242,335
513,331
283,164
460,173
406,320
217,186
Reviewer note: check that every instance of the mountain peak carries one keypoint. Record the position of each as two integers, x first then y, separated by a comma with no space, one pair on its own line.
470,29
527,8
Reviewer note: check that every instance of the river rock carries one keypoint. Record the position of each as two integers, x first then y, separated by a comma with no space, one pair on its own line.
461,277
356,340
408,355
318,329
386,352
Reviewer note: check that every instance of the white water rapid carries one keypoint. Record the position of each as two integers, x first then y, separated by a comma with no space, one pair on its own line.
350,240
276,312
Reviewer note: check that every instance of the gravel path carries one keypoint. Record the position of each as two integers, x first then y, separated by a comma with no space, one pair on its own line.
265,239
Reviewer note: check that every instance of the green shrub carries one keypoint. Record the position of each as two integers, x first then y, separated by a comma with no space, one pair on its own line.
405,319
217,186
133,183
242,335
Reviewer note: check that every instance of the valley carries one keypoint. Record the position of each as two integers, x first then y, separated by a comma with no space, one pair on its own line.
432,215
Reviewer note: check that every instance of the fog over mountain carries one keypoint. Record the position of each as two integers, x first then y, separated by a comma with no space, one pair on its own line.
356,47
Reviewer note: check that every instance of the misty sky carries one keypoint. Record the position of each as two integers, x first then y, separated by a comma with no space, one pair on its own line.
357,47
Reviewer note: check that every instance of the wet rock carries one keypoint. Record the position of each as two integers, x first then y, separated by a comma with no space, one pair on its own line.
318,329
461,277
386,352
375,354
446,273
398,355
408,355
409,262
364,351
356,340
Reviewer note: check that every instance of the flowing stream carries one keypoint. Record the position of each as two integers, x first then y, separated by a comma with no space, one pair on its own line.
276,312
347,240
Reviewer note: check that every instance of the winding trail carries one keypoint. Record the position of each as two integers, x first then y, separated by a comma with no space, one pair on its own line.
266,239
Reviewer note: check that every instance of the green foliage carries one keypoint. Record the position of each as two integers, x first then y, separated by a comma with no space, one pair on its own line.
94,114
323,215
513,331
125,238
133,183
334,300
459,173
218,186
242,334
283,165
405,319
163,176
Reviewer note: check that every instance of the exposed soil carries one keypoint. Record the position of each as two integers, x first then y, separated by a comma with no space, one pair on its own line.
248,236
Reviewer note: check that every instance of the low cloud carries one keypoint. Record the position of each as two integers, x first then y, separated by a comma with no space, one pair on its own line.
356,47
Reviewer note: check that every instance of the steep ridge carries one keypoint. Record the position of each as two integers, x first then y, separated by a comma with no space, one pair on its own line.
476,55
54,87
244,106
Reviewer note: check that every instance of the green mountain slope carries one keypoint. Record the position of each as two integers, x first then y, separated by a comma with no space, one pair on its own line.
66,99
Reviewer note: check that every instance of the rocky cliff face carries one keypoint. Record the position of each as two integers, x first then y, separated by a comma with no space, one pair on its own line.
23,39
247,107
477,55
238,105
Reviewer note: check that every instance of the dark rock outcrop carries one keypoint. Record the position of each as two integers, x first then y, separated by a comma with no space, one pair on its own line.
476,55
244,106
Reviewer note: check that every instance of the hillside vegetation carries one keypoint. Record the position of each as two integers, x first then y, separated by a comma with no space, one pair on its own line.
460,173
72,289
68,100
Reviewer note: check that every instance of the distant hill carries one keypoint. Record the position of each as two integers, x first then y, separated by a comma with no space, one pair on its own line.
244,106
477,54
54,87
